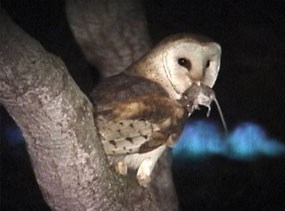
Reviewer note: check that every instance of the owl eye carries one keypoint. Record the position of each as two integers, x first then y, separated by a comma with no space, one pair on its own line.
184,62
208,64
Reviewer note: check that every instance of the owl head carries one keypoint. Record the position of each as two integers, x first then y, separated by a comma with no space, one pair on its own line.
179,61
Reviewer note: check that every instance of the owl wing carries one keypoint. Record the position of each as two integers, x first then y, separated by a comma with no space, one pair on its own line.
122,87
133,114
124,136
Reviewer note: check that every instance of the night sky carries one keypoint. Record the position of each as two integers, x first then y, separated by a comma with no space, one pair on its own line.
250,88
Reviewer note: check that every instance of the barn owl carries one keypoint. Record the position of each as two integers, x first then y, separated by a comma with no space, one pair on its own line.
140,112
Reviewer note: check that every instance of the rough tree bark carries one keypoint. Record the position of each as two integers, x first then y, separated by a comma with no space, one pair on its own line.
111,33
56,120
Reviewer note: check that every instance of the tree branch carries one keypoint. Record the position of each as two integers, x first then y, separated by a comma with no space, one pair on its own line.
112,34
56,120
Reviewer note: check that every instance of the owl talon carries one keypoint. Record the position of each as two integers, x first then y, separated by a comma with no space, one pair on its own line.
121,167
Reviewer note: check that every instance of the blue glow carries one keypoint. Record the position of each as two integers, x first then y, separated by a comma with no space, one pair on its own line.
247,141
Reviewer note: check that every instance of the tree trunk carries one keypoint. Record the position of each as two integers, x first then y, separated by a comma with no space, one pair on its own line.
56,120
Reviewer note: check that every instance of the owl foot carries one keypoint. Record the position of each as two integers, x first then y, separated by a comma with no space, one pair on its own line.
121,167
144,172
144,163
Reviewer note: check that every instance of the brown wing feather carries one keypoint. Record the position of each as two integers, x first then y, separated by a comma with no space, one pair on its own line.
130,97
122,87
153,107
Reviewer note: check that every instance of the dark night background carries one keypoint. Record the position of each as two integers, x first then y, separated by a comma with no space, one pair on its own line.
250,87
